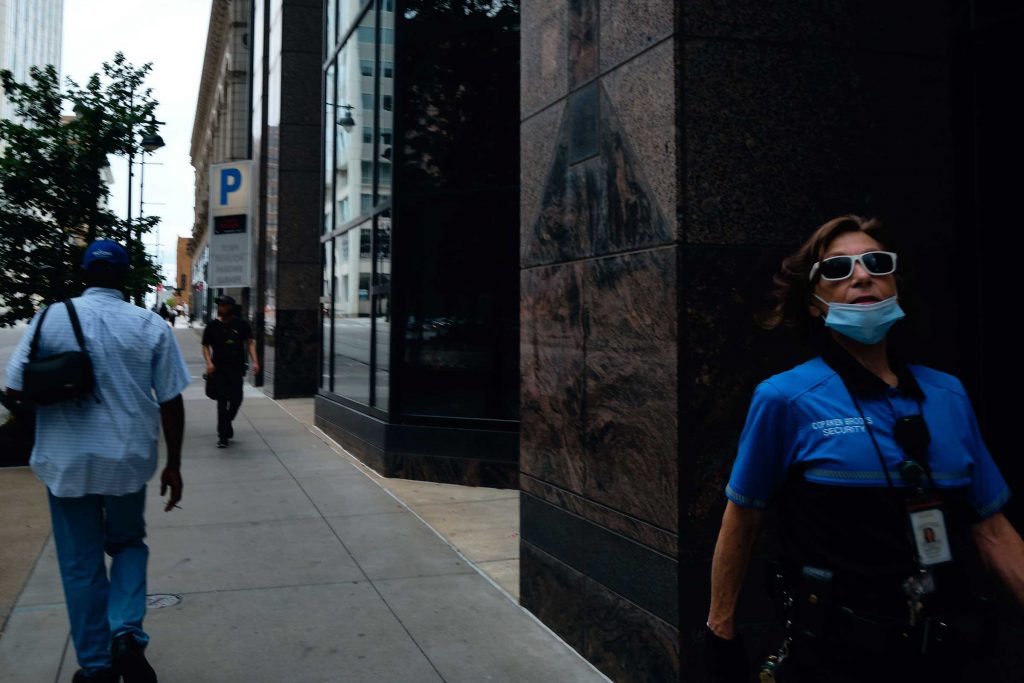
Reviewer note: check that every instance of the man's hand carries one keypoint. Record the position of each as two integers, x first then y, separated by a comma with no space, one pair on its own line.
210,369
255,367
170,479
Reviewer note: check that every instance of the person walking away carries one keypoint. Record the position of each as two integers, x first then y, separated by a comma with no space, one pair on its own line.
96,454
226,342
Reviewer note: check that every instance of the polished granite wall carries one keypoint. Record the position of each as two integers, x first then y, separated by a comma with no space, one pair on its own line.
672,154
293,255
599,324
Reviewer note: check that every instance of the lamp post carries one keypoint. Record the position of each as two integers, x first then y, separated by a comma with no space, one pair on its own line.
150,143
346,121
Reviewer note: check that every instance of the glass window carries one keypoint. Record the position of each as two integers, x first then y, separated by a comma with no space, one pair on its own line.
365,237
388,69
351,323
355,96
332,23
458,338
385,119
366,67
387,36
327,259
382,309
330,111
367,172
346,15
366,34
339,122
365,203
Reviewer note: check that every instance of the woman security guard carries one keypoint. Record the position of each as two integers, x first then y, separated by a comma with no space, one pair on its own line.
885,491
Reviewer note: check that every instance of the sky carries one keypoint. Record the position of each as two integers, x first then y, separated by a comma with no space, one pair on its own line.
172,35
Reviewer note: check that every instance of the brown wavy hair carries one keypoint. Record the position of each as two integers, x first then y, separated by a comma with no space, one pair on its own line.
793,287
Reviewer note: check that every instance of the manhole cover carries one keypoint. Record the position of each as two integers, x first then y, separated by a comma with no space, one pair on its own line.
158,600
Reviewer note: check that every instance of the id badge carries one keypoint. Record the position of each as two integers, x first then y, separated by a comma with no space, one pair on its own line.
929,528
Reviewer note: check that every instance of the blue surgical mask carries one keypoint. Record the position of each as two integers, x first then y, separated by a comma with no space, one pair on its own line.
866,323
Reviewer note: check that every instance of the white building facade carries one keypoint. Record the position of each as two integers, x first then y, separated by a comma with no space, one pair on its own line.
31,34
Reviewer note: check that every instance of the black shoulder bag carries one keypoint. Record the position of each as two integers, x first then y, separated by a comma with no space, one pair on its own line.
61,377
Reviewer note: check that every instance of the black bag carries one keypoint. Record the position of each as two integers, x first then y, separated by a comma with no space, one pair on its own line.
60,377
212,386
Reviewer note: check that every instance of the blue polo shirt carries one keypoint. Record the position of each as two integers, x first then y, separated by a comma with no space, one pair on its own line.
805,420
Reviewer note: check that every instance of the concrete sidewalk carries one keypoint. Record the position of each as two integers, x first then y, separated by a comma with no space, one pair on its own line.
292,565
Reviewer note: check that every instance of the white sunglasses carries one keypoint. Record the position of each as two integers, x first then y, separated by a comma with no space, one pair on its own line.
841,267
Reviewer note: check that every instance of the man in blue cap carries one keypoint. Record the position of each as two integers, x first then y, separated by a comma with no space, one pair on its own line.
96,454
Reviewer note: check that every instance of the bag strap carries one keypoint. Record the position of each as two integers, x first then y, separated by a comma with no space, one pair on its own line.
75,324
33,351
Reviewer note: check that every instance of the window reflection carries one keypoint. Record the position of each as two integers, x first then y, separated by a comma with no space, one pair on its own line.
330,112
326,316
382,308
458,162
385,118
332,23
355,96
348,11
351,320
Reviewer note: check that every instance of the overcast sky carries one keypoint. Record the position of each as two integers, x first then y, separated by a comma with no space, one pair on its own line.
172,35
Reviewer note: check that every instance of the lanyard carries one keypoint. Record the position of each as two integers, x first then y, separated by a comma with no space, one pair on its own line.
878,450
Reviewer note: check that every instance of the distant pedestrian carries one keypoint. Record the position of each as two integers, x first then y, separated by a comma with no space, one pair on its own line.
163,312
95,455
227,341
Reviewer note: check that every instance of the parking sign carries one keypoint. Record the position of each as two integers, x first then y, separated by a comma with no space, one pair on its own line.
230,224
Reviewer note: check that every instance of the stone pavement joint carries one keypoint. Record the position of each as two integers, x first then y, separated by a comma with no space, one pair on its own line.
306,570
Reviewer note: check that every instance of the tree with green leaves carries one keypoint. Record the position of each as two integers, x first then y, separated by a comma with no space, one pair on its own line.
53,198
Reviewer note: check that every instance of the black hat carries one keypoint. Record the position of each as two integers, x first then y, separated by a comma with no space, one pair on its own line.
230,300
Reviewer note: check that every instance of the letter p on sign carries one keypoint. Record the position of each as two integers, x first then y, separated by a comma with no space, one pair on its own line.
230,181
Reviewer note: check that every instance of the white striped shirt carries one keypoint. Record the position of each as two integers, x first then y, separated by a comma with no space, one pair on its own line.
110,448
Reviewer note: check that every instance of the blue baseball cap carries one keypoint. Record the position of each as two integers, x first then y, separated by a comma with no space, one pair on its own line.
107,252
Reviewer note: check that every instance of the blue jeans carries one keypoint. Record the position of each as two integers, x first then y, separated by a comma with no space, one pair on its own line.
100,608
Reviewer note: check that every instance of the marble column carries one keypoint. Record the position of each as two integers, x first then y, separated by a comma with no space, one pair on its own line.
293,250
599,330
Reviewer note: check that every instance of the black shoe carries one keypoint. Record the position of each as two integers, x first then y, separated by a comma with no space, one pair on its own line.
102,676
130,660
222,443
